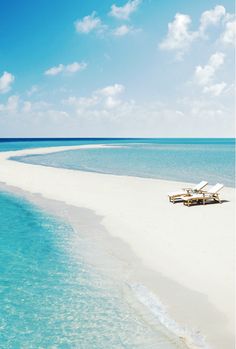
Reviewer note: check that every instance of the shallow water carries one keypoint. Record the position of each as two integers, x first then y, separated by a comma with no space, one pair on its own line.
52,298
179,160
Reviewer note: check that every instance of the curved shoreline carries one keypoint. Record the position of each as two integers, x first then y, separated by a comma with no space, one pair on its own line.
88,168
184,244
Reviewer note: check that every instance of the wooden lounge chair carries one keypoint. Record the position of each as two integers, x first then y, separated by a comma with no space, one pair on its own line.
178,195
204,196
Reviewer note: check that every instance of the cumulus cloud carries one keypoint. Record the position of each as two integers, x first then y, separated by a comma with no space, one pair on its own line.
55,70
111,91
179,36
118,116
69,69
88,24
75,67
150,118
124,12
213,114
229,34
6,81
101,100
124,29
81,103
204,75
215,89
111,95
32,90
211,17
11,106
93,22
16,105
39,112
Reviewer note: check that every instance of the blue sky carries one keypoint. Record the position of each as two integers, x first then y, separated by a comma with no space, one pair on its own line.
144,68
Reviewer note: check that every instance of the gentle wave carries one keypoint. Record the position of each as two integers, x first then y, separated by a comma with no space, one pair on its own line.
192,338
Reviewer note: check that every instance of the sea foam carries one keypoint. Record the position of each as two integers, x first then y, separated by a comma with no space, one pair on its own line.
193,338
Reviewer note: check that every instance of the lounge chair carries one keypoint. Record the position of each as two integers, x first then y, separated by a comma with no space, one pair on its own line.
178,195
204,196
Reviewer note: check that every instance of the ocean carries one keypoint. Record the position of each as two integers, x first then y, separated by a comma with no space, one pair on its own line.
185,160
52,297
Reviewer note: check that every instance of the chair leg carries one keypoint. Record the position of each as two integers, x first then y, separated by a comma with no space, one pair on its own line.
218,198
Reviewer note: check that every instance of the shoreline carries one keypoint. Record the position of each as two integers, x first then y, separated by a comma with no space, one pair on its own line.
94,146
192,298
151,290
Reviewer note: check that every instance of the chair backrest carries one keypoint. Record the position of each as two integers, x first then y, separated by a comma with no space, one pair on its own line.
217,187
200,185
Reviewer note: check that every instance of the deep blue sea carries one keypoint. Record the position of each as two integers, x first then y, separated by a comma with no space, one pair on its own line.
51,296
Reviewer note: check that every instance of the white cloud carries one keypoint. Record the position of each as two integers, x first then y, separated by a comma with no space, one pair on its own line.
208,109
112,90
28,112
88,24
6,81
111,95
70,68
54,70
81,103
112,102
215,89
32,90
150,118
11,105
75,67
179,37
211,17
107,113
124,12
204,75
229,35
124,29
107,98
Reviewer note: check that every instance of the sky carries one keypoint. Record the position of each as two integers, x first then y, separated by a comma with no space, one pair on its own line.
117,68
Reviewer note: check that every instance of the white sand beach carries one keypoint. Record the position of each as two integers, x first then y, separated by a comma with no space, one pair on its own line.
192,246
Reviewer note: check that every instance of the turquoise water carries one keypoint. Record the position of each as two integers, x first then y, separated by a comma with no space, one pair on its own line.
14,144
51,295
52,298
190,160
